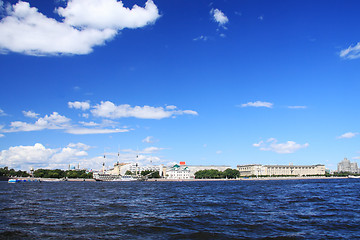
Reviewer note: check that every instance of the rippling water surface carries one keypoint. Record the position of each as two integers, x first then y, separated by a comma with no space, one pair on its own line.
291,209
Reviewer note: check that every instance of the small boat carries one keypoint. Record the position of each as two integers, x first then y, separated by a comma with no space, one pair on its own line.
352,176
16,180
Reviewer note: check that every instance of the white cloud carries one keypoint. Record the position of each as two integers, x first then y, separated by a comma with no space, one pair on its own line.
90,124
57,121
348,135
219,17
110,110
297,107
151,150
79,146
201,38
258,104
19,156
258,144
351,52
218,152
30,114
85,115
38,156
171,107
87,23
27,31
67,155
272,145
2,113
2,135
83,131
106,14
148,139
79,105
52,121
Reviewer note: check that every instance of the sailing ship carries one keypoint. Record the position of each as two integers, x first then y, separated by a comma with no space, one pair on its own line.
114,175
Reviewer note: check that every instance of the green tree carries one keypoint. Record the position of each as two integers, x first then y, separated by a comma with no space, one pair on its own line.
128,172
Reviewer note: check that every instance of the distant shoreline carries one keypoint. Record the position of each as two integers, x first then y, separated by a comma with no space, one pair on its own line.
241,179
183,180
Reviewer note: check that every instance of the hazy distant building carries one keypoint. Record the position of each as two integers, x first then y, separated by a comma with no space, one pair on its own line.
347,166
281,170
122,168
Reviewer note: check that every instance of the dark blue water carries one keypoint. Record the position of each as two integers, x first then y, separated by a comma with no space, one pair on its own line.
285,209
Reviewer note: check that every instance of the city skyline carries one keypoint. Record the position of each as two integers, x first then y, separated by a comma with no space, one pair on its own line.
206,82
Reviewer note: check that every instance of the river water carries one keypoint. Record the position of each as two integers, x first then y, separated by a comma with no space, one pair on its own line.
278,209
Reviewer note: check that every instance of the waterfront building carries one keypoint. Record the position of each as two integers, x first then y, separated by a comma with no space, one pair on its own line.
281,170
347,166
138,168
178,171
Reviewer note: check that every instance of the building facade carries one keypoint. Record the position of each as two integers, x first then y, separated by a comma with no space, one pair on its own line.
183,171
347,166
178,172
281,170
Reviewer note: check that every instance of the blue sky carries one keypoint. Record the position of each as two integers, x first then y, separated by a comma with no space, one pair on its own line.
206,82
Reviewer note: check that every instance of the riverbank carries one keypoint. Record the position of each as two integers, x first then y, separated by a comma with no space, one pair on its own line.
55,179
241,179
180,180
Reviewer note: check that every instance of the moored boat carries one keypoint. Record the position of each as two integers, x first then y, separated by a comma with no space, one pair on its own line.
352,176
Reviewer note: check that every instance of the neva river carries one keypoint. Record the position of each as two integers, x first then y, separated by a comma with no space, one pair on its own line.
278,209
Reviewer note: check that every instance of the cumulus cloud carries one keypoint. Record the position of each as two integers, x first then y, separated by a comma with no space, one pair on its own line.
110,110
106,14
258,104
27,31
19,156
87,23
57,121
30,114
38,156
348,135
79,105
272,145
351,52
52,121
219,17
